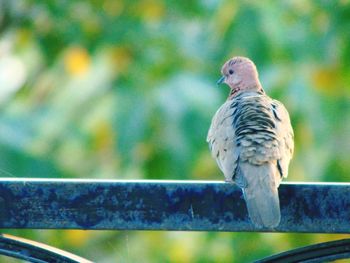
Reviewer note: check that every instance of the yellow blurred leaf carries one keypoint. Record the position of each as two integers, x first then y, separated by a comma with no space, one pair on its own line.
184,247
24,36
206,168
327,80
76,238
305,134
103,136
224,17
121,57
330,237
77,61
151,10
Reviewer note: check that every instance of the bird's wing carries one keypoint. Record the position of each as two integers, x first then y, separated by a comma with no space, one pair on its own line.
221,139
284,132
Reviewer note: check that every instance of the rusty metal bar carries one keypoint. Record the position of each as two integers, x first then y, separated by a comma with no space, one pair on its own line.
165,205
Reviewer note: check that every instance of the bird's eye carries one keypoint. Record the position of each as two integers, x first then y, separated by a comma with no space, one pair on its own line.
230,71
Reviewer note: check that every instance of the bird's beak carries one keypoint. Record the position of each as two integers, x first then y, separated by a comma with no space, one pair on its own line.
221,80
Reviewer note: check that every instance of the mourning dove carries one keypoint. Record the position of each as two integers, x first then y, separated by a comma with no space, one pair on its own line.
251,138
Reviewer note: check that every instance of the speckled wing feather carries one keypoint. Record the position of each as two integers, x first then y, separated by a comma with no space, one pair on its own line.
285,135
222,141
252,141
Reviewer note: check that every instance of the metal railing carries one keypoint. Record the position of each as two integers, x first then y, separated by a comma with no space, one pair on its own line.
165,205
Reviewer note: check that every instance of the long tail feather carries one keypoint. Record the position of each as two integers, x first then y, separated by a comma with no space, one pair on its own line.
261,194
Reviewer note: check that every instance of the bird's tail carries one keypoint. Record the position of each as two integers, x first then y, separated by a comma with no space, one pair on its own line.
261,194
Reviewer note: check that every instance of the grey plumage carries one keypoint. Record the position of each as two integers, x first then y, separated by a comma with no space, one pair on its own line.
251,139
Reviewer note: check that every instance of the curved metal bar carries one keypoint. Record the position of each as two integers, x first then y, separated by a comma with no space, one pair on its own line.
322,252
36,252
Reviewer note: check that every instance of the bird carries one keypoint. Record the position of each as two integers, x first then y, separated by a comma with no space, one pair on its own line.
252,140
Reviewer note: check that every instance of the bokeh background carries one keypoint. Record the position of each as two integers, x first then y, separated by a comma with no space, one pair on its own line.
126,90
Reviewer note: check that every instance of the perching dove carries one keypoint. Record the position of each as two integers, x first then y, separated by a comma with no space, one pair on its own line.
251,138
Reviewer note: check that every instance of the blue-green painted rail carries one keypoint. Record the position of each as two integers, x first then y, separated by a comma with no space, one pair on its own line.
165,205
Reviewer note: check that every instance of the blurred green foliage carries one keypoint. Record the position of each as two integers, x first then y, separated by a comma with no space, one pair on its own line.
120,89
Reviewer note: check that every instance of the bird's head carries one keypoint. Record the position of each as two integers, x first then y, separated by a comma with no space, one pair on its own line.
240,74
